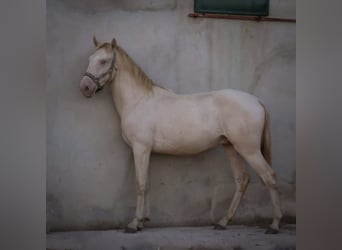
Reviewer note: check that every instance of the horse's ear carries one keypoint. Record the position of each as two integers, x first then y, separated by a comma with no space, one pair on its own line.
113,43
96,43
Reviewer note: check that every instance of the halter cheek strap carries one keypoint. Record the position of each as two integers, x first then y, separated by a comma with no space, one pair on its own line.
97,80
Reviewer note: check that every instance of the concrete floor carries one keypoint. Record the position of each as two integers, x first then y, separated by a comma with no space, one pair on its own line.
235,238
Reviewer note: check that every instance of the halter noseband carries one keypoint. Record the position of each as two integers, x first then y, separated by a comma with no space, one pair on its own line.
97,80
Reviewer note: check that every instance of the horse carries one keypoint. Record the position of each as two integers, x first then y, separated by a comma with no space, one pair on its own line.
154,119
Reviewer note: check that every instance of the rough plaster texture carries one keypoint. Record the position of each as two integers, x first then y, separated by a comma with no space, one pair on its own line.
90,172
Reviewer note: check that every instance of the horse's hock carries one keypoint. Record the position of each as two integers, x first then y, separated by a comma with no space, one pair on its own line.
90,169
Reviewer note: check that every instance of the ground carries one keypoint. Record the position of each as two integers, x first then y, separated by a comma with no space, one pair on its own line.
177,238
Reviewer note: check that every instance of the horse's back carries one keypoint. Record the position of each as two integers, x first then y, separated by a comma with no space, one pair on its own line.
214,104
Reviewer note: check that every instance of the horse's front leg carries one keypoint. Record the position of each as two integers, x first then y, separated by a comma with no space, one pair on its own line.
147,201
141,159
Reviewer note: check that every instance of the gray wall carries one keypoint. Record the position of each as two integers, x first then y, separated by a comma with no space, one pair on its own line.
90,173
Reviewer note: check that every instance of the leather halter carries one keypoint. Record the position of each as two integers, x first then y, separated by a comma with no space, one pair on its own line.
97,79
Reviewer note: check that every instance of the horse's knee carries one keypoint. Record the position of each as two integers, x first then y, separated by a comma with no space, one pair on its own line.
141,189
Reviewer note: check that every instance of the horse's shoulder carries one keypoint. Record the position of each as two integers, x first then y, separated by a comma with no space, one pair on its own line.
135,127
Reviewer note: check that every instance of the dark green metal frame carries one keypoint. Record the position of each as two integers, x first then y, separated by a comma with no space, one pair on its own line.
233,7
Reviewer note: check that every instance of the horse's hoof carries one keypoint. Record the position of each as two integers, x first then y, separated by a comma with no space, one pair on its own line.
139,228
130,230
271,231
219,227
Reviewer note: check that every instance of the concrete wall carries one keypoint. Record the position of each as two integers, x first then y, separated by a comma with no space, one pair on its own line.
90,173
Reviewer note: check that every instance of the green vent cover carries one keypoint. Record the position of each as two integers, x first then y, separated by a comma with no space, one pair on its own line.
233,7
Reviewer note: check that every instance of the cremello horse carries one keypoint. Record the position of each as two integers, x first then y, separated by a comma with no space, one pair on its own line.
155,119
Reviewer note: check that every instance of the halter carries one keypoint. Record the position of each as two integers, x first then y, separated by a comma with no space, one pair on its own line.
97,80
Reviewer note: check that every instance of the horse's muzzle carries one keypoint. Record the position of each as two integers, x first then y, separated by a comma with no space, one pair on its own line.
87,87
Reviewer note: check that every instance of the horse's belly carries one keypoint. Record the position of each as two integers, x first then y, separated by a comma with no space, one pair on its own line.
188,127
184,145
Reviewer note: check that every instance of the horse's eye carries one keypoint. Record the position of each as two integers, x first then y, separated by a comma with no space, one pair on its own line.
103,62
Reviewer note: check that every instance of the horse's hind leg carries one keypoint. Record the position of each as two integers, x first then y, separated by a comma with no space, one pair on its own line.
267,174
241,178
147,202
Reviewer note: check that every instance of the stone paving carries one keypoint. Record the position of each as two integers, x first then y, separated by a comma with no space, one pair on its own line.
177,238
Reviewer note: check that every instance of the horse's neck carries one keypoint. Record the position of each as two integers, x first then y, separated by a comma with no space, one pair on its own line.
127,91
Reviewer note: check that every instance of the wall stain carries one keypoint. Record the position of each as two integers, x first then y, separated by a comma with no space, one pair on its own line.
54,210
282,53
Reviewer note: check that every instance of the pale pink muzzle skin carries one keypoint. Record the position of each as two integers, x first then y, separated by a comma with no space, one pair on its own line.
87,87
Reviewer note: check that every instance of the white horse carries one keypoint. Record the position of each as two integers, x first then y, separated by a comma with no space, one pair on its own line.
155,119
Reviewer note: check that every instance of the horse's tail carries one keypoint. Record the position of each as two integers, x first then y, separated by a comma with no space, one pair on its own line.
266,146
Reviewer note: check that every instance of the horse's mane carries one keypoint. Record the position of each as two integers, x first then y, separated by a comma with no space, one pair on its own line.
135,69
146,82
137,72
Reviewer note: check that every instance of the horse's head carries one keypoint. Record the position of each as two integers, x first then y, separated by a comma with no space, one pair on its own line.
101,68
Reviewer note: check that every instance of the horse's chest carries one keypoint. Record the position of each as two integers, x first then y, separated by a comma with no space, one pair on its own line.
124,137
136,131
